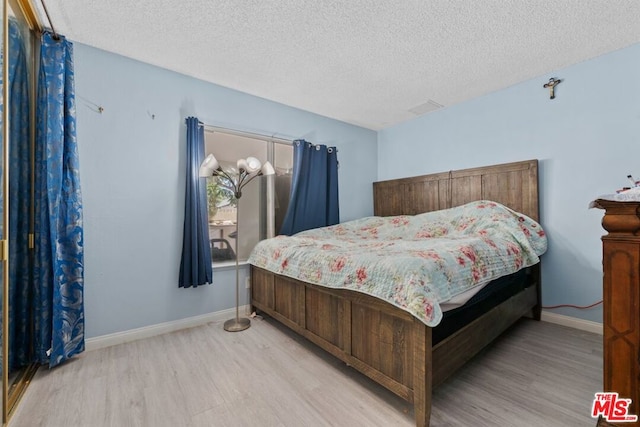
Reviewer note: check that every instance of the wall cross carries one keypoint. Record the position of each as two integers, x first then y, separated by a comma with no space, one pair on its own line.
553,82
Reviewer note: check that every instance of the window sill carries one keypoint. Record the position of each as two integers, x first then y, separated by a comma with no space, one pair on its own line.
228,265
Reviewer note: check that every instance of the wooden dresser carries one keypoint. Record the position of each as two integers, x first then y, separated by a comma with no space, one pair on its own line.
621,295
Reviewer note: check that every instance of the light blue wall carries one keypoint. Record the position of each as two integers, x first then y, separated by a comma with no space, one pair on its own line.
587,141
132,160
132,167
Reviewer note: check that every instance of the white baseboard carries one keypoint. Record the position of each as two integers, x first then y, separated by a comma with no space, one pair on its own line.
160,328
572,322
166,327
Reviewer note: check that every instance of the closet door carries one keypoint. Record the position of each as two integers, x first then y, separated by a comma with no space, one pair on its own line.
3,254
16,194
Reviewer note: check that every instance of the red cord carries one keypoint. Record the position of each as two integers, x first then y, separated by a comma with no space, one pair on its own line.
580,307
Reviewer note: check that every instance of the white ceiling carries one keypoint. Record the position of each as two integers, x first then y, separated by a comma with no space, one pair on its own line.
366,62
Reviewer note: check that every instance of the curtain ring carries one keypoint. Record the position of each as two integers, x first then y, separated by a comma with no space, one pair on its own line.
318,147
297,141
330,150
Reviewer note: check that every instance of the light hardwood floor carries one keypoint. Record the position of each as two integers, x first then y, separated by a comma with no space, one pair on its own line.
536,374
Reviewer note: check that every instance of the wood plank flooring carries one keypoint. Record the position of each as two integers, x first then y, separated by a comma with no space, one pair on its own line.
536,374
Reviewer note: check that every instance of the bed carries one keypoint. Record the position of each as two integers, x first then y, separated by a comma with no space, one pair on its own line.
388,344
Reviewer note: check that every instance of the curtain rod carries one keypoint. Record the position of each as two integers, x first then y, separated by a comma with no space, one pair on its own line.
246,134
53,30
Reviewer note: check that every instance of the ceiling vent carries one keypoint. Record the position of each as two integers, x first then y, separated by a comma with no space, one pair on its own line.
427,107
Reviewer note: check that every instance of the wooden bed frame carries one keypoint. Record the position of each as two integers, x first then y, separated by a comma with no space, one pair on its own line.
388,344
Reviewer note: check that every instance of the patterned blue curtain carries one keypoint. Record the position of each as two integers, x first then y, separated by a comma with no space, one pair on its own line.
195,264
20,198
59,246
314,188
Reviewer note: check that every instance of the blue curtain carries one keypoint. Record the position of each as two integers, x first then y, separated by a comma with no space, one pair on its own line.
59,246
314,188
195,264
20,198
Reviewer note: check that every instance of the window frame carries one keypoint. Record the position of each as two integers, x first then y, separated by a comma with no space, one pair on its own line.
268,190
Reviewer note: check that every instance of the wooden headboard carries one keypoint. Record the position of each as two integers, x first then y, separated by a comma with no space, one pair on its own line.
513,184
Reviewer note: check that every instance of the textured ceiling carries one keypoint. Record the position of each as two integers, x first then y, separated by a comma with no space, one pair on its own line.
373,63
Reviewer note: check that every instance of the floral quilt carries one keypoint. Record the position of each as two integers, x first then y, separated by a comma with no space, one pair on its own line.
413,262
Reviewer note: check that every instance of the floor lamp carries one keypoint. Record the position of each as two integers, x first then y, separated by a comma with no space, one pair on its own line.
247,170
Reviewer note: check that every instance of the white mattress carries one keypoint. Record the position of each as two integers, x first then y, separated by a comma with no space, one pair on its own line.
461,299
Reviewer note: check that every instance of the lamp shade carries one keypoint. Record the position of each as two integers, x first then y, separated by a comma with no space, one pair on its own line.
253,164
242,165
209,166
267,169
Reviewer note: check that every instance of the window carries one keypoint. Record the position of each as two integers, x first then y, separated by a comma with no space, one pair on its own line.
263,203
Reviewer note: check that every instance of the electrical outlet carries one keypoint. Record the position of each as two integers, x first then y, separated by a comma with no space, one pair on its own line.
247,282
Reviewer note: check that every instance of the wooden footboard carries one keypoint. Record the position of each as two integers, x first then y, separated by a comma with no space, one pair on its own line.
372,336
383,342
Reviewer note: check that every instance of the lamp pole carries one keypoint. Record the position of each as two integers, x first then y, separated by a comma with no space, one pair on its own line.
238,324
